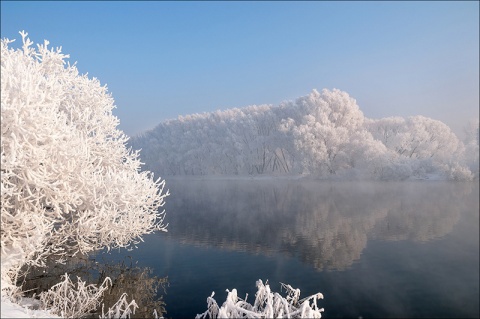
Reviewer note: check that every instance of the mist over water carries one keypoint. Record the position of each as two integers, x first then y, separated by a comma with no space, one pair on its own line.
325,224
374,249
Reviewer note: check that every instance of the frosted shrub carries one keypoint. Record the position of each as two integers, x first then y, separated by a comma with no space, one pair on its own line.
69,184
267,305
121,309
70,301
75,301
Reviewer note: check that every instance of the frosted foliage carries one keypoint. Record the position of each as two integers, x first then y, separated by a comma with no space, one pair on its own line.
121,309
424,145
471,141
417,137
69,183
73,301
323,134
266,305
332,108
77,301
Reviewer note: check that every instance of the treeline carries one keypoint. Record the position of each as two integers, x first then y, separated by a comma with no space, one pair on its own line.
323,134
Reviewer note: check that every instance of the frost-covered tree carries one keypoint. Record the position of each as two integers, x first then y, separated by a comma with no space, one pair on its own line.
416,137
388,131
323,134
423,144
471,142
68,181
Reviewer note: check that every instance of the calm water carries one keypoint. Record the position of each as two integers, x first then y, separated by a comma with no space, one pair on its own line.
407,249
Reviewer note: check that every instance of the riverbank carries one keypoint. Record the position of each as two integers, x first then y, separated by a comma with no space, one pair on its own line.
24,307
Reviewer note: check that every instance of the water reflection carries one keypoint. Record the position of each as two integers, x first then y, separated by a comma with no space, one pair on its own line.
325,224
137,282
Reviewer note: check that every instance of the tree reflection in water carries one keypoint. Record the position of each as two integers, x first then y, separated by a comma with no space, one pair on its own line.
325,224
136,281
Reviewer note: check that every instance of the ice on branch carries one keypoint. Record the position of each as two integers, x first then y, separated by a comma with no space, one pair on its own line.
266,305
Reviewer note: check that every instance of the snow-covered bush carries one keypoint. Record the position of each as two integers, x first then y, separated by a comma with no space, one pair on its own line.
68,181
121,309
267,305
73,301
125,276
76,301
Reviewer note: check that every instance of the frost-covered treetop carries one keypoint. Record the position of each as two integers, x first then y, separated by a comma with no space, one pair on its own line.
69,183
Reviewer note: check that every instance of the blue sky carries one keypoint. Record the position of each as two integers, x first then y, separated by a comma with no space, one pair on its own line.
164,59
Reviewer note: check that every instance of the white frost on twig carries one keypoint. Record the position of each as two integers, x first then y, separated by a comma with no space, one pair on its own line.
267,305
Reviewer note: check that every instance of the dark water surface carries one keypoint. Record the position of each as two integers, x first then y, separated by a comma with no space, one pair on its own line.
377,249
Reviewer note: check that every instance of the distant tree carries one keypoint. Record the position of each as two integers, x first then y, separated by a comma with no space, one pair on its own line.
323,133
471,141
416,137
431,138
389,131
425,145
69,184
369,158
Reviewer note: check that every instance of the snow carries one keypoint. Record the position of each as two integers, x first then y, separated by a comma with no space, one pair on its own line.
14,310
25,307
